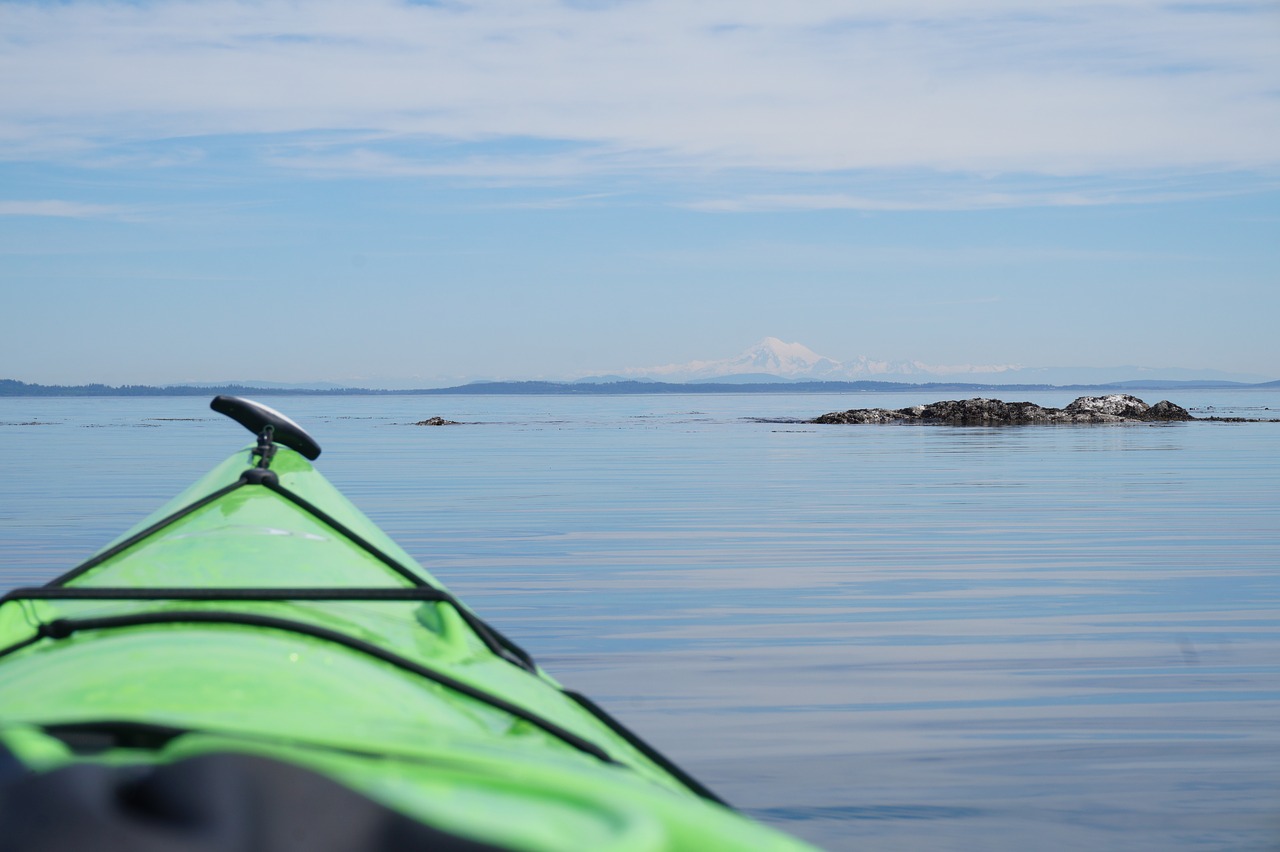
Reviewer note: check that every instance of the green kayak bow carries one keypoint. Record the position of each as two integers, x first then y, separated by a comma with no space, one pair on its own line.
258,666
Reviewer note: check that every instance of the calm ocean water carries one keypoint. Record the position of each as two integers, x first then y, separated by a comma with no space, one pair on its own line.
883,637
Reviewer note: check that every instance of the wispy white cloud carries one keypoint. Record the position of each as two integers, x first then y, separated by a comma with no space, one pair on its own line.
888,191
659,86
799,255
66,210
840,201
369,162
977,200
558,202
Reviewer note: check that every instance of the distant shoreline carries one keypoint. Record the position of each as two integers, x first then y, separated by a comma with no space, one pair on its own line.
14,388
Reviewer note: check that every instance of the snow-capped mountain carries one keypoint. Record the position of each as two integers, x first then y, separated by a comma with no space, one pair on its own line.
776,358
768,357
772,357
772,360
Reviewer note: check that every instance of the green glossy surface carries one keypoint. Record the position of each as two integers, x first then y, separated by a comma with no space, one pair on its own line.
418,746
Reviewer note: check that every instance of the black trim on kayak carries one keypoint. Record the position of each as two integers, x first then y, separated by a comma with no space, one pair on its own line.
236,593
18,646
345,531
129,542
500,645
253,476
644,748
425,594
497,643
64,627
494,640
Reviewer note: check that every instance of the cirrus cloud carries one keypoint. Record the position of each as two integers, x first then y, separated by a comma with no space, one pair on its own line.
57,209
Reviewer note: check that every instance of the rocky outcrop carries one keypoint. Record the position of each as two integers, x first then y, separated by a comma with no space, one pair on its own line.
1166,410
1116,408
436,421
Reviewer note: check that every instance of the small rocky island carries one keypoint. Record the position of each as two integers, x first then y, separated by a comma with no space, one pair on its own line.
1116,408
436,421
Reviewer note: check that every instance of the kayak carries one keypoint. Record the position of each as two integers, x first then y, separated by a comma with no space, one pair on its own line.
258,666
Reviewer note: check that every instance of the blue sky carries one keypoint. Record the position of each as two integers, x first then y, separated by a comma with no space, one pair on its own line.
436,192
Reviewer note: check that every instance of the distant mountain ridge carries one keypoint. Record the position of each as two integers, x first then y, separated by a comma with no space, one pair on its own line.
14,388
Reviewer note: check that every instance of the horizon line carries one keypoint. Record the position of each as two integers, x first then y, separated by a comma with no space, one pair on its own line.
15,388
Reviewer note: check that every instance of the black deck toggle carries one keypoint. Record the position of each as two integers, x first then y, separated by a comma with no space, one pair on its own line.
256,417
